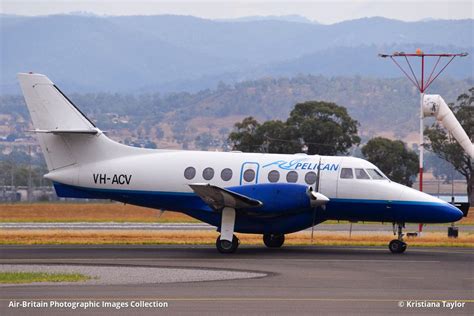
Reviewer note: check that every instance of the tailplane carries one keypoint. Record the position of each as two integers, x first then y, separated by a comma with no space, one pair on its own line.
65,134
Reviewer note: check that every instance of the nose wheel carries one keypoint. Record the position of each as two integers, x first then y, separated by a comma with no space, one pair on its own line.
398,245
227,242
225,246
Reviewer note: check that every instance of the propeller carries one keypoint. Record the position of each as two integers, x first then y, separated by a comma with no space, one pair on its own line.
317,199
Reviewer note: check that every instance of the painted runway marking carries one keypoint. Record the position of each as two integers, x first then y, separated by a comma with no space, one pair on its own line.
404,277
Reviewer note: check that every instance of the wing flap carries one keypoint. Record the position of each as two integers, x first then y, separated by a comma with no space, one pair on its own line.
218,198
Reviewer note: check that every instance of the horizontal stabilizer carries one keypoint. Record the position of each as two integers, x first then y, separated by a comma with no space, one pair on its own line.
218,198
67,131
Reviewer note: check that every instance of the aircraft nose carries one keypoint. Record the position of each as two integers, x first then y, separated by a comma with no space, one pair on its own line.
429,209
451,213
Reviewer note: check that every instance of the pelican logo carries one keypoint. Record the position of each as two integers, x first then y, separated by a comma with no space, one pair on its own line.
301,164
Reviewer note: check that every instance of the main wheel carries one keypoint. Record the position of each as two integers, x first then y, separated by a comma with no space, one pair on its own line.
273,240
225,246
397,246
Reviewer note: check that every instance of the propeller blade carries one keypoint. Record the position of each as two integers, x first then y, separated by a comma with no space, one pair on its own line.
316,199
318,181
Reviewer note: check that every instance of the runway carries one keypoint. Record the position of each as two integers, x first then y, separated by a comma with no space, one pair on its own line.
298,280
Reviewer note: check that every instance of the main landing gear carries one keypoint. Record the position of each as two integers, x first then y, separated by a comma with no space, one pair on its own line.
273,240
398,245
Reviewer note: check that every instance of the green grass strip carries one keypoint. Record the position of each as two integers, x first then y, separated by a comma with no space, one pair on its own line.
30,277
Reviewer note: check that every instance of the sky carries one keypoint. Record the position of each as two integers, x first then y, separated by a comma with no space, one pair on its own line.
322,11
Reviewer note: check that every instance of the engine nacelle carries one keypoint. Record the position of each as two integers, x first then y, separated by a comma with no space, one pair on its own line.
279,198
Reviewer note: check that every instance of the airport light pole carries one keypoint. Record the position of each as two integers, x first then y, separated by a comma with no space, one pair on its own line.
422,85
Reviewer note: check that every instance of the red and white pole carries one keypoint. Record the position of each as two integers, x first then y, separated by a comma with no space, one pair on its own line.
422,86
421,145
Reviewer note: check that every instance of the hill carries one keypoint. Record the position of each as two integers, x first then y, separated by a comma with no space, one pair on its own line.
183,53
387,107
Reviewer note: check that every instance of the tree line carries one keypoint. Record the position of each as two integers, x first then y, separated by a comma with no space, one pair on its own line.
325,128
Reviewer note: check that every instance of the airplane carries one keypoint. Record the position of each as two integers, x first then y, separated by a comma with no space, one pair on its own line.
257,193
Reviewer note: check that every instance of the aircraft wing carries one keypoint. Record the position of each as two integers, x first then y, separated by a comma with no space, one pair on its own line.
218,198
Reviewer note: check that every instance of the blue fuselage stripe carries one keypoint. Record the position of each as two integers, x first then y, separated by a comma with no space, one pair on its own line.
337,209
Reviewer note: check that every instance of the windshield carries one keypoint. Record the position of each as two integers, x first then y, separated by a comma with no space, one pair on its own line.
376,175
361,174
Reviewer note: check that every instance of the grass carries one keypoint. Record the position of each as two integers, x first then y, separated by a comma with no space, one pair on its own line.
87,212
127,237
31,277
108,212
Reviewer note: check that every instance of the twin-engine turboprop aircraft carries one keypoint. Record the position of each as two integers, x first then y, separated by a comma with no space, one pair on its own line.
268,194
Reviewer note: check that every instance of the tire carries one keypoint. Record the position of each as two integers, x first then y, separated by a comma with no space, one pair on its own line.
397,246
225,246
273,240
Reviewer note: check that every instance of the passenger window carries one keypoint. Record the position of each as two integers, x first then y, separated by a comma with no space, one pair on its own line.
310,178
189,173
361,174
375,174
273,176
346,173
226,174
292,177
208,173
249,175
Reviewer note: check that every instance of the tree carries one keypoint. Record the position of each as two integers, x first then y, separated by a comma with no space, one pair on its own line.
324,128
245,137
398,162
277,137
204,141
446,147
320,127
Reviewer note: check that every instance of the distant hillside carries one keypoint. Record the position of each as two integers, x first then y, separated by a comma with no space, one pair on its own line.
183,53
387,107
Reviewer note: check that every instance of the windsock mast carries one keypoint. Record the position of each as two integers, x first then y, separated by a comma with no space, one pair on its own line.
422,84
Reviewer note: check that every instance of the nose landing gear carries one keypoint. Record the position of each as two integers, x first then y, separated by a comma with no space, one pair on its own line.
398,245
226,246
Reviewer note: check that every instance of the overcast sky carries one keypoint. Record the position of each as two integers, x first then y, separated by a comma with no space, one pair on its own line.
321,11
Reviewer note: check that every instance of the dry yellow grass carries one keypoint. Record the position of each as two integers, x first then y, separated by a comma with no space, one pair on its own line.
85,212
30,237
104,212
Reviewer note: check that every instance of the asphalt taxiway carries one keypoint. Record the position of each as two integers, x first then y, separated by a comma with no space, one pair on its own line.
293,280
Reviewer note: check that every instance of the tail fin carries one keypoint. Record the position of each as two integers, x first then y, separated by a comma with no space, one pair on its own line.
50,109
65,134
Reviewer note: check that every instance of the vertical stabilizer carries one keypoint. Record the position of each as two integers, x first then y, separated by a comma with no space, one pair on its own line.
50,110
66,136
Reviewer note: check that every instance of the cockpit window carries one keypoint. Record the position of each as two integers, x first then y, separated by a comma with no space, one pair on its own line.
346,173
375,174
361,174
